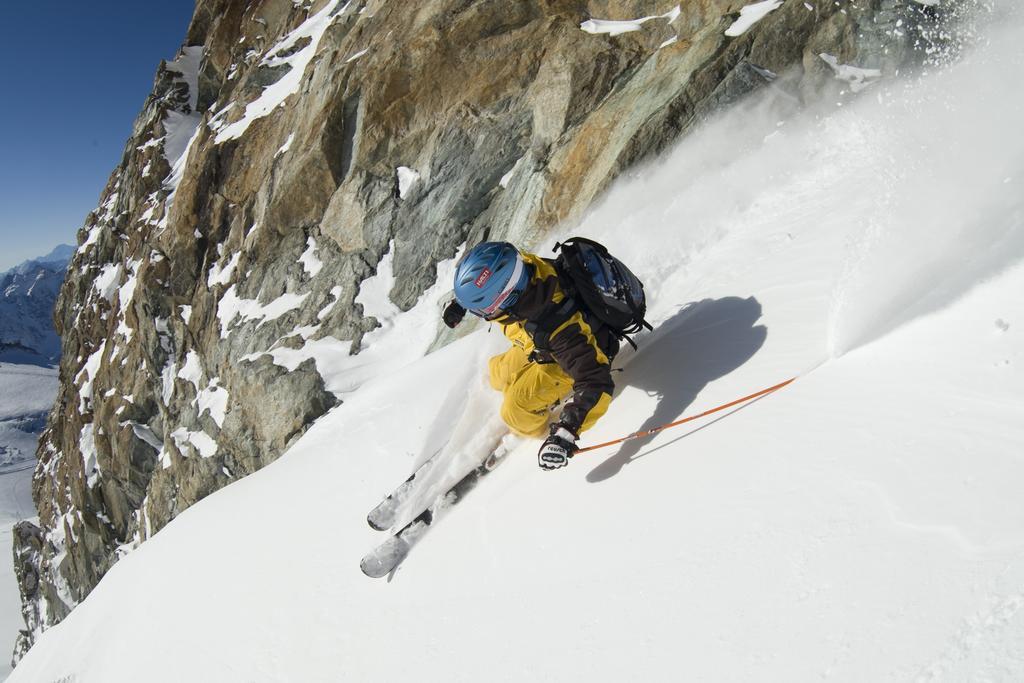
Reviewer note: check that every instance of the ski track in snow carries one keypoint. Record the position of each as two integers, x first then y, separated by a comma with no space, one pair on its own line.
862,524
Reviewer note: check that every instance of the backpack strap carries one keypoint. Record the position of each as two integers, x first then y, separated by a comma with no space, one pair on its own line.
582,240
540,330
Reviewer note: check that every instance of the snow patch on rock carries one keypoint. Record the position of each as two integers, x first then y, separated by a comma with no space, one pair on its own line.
87,447
167,376
87,375
182,126
200,442
221,275
213,399
286,146
310,263
407,177
192,371
275,95
232,307
618,27
750,15
106,283
397,341
857,77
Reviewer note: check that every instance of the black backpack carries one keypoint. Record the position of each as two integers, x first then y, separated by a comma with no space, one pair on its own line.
603,285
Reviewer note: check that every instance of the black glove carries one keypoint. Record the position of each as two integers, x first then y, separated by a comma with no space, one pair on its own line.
557,448
453,314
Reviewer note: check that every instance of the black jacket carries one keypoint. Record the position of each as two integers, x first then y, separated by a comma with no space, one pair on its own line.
553,328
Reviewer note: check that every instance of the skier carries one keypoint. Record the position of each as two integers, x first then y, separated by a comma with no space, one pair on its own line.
558,347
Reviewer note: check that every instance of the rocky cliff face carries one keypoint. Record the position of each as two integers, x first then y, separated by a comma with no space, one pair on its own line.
287,149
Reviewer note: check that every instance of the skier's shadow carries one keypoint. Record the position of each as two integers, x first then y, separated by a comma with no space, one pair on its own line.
700,343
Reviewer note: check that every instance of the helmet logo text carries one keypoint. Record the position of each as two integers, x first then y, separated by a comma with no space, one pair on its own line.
483,278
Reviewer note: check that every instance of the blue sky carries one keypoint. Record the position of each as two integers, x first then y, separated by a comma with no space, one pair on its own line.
75,75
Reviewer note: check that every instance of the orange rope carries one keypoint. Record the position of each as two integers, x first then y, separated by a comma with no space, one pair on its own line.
640,435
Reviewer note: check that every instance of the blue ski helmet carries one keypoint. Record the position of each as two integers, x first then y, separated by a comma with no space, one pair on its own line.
490,278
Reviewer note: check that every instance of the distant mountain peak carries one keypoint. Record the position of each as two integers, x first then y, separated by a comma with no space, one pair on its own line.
62,253
26,308
55,260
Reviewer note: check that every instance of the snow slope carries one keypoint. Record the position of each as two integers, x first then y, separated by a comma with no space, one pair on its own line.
26,395
15,505
863,524
27,391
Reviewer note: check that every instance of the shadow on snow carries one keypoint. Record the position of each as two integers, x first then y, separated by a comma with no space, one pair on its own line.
703,341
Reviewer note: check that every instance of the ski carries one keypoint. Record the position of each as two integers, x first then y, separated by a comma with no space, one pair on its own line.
382,517
386,557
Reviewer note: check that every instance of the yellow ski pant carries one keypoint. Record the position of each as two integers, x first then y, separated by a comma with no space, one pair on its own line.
530,390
